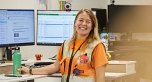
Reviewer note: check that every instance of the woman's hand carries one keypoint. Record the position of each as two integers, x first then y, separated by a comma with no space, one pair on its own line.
24,70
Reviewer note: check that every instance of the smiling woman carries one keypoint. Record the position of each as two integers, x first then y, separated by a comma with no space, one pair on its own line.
81,57
83,25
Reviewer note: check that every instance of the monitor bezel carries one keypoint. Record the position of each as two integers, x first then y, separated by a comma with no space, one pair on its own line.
22,43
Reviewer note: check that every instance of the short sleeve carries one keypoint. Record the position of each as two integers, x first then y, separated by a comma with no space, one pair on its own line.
59,54
99,56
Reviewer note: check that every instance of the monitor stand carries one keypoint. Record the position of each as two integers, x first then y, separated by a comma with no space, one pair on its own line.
8,53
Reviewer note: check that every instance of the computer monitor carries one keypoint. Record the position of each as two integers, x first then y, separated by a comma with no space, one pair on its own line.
54,26
16,27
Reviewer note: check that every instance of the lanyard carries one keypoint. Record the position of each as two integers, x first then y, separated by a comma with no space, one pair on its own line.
71,58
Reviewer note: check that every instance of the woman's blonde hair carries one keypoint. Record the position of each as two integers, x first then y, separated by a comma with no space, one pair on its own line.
93,35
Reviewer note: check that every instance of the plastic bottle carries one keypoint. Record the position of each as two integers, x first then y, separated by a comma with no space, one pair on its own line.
16,62
104,38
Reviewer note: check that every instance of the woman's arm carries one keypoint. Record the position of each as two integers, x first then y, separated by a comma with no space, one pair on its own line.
49,69
100,73
100,61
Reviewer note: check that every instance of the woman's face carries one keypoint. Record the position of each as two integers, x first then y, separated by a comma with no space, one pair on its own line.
83,25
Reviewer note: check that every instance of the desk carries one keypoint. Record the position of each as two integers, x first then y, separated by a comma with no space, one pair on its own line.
110,75
6,68
5,64
32,61
28,78
23,78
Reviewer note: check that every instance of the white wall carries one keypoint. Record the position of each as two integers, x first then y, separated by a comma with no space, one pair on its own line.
77,4
47,51
24,4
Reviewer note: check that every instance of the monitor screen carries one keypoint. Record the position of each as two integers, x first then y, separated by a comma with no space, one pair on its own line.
16,27
54,26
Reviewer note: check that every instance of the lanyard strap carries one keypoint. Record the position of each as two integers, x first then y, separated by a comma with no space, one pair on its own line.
71,58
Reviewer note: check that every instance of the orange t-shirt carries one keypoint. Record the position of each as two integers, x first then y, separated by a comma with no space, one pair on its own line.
99,54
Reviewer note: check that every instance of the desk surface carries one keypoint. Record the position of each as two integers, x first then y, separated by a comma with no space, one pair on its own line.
121,62
3,78
112,76
32,61
23,78
109,76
